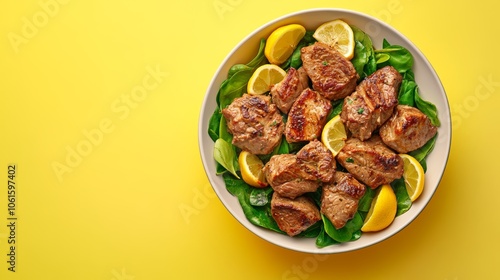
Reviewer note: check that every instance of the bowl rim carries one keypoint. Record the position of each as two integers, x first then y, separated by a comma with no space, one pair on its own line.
445,117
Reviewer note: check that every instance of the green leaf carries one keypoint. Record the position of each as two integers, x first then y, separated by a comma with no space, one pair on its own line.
234,87
259,58
324,240
406,95
257,215
366,201
396,56
225,154
404,201
427,108
421,153
337,108
363,59
213,124
260,197
347,233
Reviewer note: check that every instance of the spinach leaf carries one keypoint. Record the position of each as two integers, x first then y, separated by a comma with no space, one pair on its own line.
312,231
257,215
351,230
234,87
337,108
224,154
404,202
260,197
366,201
324,240
213,124
259,58
421,153
396,56
236,68
406,95
295,59
363,60
427,108
238,76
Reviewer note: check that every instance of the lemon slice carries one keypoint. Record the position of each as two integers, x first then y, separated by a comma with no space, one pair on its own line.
413,175
382,210
251,170
282,41
264,78
337,34
334,135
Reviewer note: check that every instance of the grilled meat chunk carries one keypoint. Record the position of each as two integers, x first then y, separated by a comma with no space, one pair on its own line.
314,158
293,216
371,161
287,177
255,123
307,117
372,103
331,73
285,92
339,199
407,129
293,175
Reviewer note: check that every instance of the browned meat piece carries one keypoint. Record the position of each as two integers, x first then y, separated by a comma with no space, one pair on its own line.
285,92
372,103
307,117
408,129
256,124
287,177
371,161
339,200
314,158
331,73
293,216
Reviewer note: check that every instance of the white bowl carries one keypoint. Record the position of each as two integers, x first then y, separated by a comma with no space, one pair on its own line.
430,87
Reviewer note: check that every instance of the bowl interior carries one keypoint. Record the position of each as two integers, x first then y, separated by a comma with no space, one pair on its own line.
430,88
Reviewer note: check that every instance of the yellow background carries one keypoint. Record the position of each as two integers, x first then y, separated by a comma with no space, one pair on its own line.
79,74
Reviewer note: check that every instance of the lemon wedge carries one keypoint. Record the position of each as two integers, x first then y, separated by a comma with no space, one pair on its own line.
282,42
413,176
334,135
251,170
264,78
382,210
337,34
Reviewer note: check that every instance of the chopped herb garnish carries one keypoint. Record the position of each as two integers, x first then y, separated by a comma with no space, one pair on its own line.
360,111
349,101
325,63
349,160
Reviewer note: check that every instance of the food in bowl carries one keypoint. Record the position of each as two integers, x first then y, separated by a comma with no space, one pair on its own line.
311,190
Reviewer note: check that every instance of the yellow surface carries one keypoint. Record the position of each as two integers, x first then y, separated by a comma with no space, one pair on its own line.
99,113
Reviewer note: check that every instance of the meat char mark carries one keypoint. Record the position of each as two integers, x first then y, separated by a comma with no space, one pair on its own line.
286,92
332,75
255,123
371,161
293,216
307,117
372,103
293,175
407,129
340,198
